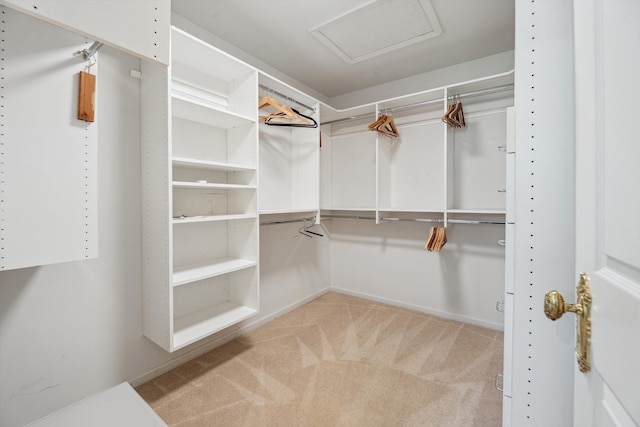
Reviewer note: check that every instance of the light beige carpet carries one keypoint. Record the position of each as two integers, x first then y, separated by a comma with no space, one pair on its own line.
340,361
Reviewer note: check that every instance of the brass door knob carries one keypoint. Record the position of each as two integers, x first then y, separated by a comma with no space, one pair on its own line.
555,307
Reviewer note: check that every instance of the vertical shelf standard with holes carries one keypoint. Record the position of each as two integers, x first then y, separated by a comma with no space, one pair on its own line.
200,197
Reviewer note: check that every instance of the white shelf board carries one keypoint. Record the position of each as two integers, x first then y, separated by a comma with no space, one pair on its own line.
206,113
191,328
183,275
190,50
196,185
211,218
193,92
477,211
286,211
342,208
203,164
398,209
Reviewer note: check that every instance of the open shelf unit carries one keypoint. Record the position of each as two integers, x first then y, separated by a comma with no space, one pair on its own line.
431,167
200,195
289,156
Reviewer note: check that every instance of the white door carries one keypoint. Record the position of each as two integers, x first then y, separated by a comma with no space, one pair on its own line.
607,43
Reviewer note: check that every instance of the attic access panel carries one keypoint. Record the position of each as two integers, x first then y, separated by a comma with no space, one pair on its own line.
378,27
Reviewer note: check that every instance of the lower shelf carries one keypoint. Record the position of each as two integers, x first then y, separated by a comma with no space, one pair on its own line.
191,328
194,272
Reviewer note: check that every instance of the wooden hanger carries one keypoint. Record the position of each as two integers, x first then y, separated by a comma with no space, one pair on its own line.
437,239
374,125
388,127
268,101
296,115
454,116
432,236
460,115
445,118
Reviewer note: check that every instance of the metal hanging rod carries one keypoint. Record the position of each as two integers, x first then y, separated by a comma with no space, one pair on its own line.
448,221
473,221
287,221
412,219
92,50
348,217
346,119
436,220
282,95
496,89
481,92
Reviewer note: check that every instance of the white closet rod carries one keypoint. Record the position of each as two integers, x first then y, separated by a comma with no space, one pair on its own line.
424,103
287,221
282,95
439,220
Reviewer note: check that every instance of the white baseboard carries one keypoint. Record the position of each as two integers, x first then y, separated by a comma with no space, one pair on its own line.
231,334
442,314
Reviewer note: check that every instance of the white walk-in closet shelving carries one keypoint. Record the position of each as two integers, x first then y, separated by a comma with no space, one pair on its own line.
200,193
213,171
430,170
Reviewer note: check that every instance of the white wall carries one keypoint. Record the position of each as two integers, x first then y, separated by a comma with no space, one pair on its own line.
293,268
388,263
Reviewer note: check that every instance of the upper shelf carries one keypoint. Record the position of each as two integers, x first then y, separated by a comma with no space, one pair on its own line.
207,113
212,185
198,55
216,166
477,211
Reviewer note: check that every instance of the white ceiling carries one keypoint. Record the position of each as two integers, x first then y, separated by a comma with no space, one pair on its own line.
277,32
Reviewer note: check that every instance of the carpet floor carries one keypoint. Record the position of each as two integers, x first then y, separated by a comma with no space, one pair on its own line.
340,361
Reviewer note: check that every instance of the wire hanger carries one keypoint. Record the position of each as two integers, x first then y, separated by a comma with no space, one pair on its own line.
305,121
284,115
304,230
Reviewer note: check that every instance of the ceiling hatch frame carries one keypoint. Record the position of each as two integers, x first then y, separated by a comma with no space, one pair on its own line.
383,26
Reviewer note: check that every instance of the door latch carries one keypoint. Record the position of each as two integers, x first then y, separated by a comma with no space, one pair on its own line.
555,307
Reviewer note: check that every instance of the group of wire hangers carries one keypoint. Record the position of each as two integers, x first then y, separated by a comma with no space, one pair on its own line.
454,116
304,230
437,239
385,125
284,115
